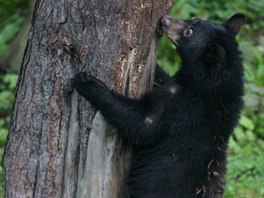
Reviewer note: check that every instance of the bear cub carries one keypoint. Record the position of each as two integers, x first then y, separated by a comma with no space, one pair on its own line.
181,128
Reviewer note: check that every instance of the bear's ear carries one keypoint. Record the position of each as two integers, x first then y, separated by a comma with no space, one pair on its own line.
234,23
214,54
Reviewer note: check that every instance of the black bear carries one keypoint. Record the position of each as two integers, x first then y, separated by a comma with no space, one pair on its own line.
180,130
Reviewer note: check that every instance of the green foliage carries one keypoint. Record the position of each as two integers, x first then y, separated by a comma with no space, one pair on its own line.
12,7
254,63
170,61
3,133
12,14
247,123
1,177
7,89
8,32
245,177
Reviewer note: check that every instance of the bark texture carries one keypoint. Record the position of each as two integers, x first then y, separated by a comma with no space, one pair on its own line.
58,145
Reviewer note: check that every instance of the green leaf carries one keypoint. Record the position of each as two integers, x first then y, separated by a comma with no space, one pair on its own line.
250,135
240,136
233,146
3,135
246,122
11,79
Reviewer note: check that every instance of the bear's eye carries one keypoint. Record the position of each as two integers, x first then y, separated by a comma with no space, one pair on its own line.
187,32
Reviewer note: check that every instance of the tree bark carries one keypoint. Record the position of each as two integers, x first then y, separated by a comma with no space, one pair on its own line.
58,145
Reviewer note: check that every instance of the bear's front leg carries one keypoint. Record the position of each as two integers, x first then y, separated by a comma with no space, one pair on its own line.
136,119
91,88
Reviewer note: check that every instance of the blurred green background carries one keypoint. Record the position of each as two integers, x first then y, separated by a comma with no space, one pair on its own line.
245,178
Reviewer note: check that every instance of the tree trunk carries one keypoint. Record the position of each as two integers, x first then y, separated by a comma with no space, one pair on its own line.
58,145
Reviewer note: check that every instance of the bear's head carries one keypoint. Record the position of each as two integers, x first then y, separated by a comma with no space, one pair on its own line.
209,51
200,40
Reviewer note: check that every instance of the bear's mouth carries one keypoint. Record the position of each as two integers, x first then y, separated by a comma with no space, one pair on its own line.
172,27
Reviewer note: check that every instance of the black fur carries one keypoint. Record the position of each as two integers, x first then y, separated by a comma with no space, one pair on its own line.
180,130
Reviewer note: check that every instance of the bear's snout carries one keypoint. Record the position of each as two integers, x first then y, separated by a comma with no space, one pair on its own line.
172,27
165,20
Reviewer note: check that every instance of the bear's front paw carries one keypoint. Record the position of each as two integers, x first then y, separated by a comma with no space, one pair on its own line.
88,86
81,77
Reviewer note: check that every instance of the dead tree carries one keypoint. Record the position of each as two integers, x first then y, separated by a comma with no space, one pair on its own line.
58,145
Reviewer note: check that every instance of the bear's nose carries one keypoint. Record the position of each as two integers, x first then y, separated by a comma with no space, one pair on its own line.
165,20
